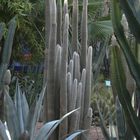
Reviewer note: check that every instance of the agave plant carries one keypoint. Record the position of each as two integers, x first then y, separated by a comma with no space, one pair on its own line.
118,74
21,121
5,52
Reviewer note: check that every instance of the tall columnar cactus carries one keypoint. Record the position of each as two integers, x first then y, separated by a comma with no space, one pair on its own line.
84,35
50,96
63,74
59,22
75,26
68,84
87,87
47,35
5,57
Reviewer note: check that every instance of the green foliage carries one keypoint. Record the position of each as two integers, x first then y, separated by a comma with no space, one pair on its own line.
30,27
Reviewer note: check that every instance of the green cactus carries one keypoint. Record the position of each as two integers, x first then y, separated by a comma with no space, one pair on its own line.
57,79
87,95
75,26
83,81
66,79
50,96
59,22
84,34
63,81
47,35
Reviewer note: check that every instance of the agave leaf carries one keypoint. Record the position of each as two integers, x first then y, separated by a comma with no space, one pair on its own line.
75,134
2,25
133,65
25,108
132,12
56,125
9,41
3,134
18,105
120,118
6,54
11,117
118,78
36,113
45,130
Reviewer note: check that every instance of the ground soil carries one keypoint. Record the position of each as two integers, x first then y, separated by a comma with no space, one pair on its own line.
94,134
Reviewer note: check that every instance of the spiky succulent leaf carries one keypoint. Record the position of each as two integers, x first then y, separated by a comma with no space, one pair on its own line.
121,126
3,134
133,65
36,113
2,25
75,134
18,105
7,48
59,122
25,108
11,117
43,132
131,10
118,78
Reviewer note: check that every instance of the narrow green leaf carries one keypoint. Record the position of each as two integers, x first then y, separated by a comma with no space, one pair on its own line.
18,105
3,134
25,108
45,130
133,65
2,25
11,117
118,78
120,118
56,125
75,134
36,114
132,16
9,41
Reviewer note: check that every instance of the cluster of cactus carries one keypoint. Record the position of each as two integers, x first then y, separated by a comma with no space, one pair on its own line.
102,98
5,52
119,79
68,78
